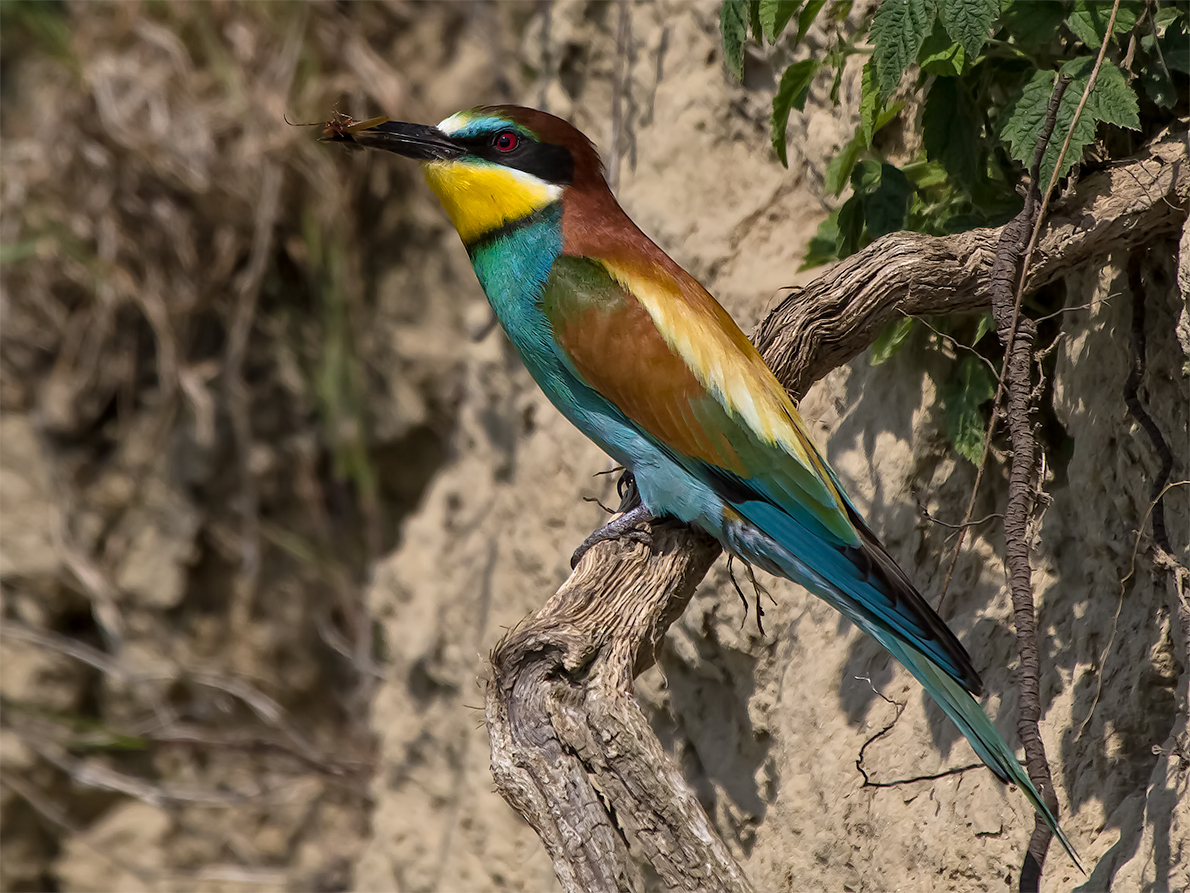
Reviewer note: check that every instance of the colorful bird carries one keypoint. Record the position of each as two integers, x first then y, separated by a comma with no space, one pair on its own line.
641,359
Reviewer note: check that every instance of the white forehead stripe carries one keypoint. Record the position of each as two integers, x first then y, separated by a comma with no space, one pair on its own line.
455,123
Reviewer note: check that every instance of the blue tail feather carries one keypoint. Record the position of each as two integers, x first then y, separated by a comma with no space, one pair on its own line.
881,601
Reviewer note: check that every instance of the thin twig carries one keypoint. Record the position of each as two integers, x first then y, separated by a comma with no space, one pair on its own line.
899,707
1120,601
956,343
975,523
238,396
1136,285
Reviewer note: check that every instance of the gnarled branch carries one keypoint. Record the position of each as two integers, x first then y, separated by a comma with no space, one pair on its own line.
570,749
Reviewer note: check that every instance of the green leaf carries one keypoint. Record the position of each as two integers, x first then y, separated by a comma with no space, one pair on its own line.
838,172
791,94
940,55
733,22
851,226
962,399
1164,18
986,322
806,18
1112,101
823,247
867,130
886,202
775,15
951,130
969,22
898,30
925,174
890,340
866,176
1175,47
1023,124
886,116
1089,20
869,104
754,20
1032,23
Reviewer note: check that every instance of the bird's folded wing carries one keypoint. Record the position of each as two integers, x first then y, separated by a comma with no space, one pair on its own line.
681,370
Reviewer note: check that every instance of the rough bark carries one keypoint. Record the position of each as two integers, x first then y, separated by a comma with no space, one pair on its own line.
570,750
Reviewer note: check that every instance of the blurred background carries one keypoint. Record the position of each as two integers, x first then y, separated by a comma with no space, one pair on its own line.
231,362
272,488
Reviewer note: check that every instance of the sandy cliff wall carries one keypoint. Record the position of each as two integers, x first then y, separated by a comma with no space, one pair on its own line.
768,729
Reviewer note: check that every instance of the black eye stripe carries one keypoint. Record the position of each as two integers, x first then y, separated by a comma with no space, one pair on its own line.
551,163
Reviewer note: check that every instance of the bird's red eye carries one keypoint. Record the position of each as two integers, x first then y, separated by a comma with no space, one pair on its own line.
506,141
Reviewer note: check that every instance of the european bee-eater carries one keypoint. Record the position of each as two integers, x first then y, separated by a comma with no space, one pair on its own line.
641,359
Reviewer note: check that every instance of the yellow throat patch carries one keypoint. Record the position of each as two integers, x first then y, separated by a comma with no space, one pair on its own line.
480,197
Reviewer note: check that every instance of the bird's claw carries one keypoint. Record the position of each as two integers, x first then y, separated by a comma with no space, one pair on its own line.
623,527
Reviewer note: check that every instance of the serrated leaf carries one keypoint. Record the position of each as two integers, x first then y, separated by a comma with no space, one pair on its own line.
1023,124
1112,101
969,22
1088,20
940,55
898,30
887,201
838,172
962,398
733,23
869,104
951,128
890,340
775,15
791,94
806,18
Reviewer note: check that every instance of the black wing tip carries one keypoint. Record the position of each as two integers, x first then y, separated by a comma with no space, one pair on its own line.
901,590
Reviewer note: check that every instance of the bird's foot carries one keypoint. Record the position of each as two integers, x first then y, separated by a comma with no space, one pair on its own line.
617,528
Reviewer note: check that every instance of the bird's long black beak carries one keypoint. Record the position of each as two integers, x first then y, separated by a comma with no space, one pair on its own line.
410,140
